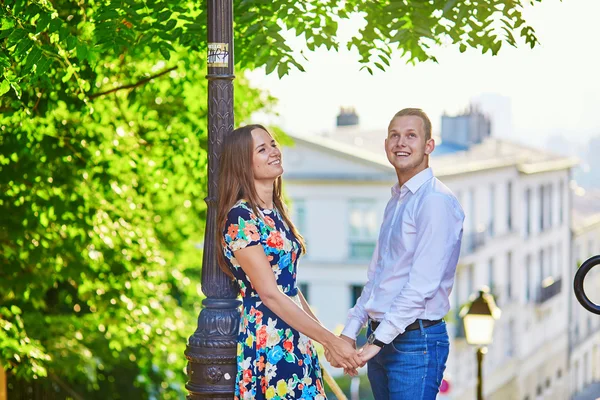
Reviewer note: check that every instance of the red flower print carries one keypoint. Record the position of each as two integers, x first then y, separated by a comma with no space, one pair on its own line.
261,364
319,386
247,375
294,256
275,240
261,337
232,231
263,384
300,385
269,221
270,258
288,346
300,362
259,316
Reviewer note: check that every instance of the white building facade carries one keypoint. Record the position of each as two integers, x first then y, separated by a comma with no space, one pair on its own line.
584,338
516,241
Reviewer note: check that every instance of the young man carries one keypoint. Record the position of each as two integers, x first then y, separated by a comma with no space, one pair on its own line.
411,273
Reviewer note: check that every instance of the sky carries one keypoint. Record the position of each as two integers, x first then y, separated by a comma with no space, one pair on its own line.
537,94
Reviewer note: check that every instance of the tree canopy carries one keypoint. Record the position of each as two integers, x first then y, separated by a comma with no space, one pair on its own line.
103,164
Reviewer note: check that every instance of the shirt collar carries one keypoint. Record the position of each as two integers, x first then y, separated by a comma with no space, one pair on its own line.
415,182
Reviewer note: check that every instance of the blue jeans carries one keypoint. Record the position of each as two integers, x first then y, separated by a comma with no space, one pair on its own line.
412,366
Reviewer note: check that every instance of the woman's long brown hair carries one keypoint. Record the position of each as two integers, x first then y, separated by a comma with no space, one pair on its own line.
236,182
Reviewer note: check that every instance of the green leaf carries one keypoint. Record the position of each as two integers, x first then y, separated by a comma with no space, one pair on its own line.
71,42
164,51
163,16
34,56
271,64
170,24
82,51
282,69
4,87
17,89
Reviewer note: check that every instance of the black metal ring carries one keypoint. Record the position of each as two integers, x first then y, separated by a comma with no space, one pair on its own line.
578,284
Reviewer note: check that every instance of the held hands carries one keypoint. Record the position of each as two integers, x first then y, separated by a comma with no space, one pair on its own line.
365,354
341,352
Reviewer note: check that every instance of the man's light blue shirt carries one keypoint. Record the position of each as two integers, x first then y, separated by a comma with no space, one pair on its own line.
412,271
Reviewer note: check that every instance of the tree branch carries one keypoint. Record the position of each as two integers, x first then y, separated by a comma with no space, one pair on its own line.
133,85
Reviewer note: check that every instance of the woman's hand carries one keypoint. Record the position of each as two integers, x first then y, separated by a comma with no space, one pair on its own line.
340,353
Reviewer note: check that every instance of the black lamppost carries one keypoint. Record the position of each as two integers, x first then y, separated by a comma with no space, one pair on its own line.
211,350
580,294
479,317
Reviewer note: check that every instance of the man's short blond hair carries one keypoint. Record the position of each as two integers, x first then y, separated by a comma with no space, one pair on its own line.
417,112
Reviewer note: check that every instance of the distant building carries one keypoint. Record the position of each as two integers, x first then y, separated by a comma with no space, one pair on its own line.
516,240
347,117
464,130
584,333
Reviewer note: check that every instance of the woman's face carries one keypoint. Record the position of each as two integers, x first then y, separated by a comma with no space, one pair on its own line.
266,157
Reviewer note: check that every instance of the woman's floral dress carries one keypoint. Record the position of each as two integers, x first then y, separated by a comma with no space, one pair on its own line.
275,361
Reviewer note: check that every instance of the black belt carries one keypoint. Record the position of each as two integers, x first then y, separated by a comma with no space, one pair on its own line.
412,327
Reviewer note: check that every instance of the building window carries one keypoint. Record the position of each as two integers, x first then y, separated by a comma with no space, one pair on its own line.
561,203
559,259
491,275
542,208
528,278
299,215
472,210
303,286
551,262
355,291
510,344
542,266
509,207
550,205
492,208
509,274
470,280
527,212
363,228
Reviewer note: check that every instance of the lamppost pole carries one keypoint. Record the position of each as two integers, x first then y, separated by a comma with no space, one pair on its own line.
478,318
211,350
480,352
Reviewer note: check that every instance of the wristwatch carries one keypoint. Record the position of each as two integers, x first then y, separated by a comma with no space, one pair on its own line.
373,340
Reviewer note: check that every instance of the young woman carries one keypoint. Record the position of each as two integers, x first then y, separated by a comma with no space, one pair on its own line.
260,247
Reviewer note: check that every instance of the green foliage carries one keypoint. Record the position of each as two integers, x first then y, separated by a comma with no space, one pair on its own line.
101,195
103,164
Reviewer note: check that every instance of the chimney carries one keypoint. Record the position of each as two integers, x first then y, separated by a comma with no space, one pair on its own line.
347,117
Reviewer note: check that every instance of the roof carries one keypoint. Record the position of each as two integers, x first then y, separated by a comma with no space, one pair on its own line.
590,392
446,159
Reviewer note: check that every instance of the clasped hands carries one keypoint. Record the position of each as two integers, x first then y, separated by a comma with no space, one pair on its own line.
343,353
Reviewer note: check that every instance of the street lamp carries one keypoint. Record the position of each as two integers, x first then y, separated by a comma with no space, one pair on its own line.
479,317
211,350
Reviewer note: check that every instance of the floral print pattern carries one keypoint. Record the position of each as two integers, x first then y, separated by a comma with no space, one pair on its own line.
275,361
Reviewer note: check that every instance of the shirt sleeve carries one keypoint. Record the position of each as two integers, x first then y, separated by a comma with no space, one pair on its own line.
358,316
241,229
439,232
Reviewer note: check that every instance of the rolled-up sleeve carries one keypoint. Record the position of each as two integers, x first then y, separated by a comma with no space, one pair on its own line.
439,227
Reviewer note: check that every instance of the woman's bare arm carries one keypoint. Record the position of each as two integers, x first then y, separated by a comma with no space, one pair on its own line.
255,264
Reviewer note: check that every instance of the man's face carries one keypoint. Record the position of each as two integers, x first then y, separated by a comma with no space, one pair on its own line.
406,146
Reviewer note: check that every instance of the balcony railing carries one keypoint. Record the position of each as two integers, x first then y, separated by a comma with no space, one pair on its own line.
472,241
548,289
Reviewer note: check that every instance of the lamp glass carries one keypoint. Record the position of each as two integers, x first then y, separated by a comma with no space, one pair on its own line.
479,329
